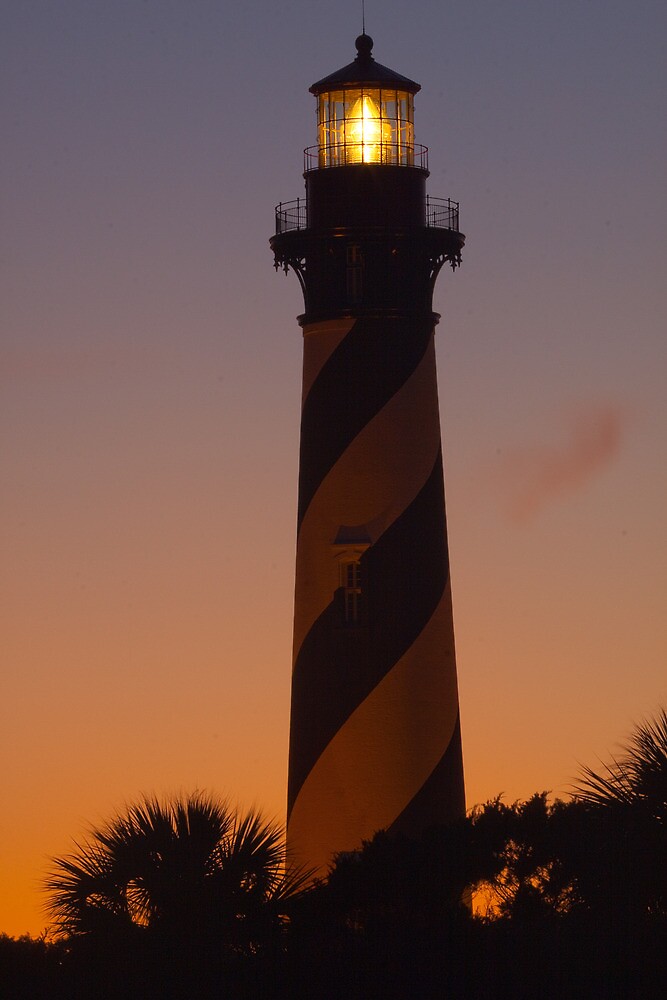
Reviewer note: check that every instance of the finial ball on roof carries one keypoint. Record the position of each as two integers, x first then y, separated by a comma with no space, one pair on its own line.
364,45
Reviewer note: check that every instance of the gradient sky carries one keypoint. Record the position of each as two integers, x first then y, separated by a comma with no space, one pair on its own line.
151,390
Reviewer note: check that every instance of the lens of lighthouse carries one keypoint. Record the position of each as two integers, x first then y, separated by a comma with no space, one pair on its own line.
365,125
367,136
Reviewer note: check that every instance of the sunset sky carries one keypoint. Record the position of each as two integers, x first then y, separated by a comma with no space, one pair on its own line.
151,390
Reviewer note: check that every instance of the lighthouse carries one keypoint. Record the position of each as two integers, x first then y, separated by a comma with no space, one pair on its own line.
375,739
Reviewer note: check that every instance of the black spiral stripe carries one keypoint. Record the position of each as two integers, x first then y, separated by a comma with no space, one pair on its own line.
369,365
336,670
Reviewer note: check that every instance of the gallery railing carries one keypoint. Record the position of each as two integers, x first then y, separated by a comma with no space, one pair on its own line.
440,213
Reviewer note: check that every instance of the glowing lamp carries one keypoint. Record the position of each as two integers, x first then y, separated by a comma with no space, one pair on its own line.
369,134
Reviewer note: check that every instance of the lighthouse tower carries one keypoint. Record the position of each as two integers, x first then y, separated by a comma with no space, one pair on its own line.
374,737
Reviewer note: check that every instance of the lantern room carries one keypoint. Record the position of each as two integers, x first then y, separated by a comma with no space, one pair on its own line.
365,114
366,237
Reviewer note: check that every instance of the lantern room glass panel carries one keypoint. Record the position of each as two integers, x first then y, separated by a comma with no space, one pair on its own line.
365,125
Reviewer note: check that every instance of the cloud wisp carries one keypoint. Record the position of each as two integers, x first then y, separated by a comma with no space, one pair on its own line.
534,476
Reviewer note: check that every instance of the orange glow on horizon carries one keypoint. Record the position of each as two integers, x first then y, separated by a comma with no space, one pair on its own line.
151,379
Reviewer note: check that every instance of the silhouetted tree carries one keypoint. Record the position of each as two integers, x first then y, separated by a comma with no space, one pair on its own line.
605,850
187,899
580,887
519,870
390,919
623,817
638,778
30,968
185,887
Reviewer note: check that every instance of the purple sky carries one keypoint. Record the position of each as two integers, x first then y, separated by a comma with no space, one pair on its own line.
151,383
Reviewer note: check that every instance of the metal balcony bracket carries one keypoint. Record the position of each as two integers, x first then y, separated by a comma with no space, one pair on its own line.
294,261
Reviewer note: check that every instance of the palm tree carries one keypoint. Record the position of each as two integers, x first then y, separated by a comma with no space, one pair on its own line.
184,868
637,778
624,825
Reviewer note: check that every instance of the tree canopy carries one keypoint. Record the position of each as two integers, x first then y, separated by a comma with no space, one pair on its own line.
188,897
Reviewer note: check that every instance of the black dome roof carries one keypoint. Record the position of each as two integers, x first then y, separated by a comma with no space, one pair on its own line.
364,70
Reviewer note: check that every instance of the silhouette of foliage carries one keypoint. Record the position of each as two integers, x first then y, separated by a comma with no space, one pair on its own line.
386,921
180,889
637,778
522,873
167,864
30,968
624,811
187,898
604,851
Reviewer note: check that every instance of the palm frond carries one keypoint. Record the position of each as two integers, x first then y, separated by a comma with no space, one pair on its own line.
172,864
638,777
84,893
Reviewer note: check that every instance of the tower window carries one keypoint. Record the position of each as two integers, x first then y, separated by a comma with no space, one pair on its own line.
350,581
354,273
